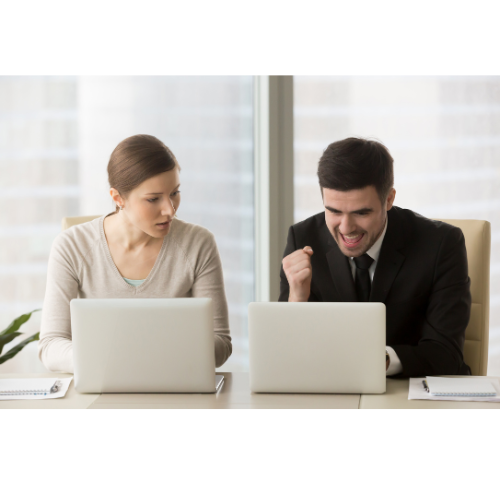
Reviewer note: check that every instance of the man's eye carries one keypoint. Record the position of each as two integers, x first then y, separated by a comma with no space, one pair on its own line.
152,200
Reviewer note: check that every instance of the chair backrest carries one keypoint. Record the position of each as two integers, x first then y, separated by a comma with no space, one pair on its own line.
477,235
73,221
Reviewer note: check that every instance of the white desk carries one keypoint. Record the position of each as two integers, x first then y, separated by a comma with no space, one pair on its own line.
235,393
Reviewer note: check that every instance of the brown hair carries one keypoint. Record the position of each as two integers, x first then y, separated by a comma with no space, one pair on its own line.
135,160
356,163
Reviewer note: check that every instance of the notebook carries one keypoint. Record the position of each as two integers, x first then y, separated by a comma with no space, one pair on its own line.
466,387
33,388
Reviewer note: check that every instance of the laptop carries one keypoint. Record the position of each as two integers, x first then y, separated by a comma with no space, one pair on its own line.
143,345
320,347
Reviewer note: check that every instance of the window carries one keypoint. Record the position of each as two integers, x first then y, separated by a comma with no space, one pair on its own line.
56,138
444,136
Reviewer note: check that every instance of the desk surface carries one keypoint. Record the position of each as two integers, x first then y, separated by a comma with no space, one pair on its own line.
396,396
235,393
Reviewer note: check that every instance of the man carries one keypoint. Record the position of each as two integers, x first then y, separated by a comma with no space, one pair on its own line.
362,248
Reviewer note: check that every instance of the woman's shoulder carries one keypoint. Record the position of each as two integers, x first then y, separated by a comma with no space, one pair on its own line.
192,238
79,239
188,231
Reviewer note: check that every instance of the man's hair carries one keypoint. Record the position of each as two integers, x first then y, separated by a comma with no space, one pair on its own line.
355,163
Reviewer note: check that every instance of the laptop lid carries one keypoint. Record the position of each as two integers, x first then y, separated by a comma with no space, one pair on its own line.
327,347
143,345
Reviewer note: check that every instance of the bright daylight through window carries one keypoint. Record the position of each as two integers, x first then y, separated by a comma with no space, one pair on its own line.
57,134
444,136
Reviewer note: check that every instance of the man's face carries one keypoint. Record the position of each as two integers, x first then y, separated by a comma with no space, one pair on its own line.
356,218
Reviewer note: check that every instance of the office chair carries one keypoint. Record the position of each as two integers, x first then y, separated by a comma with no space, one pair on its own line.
477,235
73,221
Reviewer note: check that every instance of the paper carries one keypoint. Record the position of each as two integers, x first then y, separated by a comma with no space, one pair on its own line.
460,386
31,384
417,391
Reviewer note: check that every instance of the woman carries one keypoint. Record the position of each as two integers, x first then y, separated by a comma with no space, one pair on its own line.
140,250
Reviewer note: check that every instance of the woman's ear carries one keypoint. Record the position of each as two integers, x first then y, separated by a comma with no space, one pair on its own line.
115,196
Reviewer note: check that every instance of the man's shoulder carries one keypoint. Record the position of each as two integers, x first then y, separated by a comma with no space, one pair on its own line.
417,227
420,222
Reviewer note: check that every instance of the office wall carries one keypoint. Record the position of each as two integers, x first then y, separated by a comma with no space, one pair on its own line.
444,136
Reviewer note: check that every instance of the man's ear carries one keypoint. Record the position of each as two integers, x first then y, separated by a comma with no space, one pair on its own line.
390,199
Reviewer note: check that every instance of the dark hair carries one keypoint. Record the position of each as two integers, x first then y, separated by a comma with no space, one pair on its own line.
356,163
135,160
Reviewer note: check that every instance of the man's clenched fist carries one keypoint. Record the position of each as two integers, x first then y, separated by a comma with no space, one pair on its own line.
298,271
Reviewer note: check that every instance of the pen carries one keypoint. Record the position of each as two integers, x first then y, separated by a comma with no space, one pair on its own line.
424,383
57,385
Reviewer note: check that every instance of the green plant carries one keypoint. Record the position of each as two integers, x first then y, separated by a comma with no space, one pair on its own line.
10,333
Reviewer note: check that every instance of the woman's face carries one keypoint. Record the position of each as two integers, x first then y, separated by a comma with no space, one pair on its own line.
151,206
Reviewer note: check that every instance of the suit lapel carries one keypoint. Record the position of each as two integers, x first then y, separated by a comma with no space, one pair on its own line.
391,258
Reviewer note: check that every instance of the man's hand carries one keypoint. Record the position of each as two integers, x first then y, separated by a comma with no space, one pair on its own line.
298,271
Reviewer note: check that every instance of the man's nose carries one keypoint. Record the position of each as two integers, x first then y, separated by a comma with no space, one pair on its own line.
347,225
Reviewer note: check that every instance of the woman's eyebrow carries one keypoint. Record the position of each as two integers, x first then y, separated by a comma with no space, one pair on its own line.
178,185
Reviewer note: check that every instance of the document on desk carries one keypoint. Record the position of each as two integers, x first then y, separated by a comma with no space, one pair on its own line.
33,388
417,391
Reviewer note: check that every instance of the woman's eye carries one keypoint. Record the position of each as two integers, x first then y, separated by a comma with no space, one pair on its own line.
152,200
175,193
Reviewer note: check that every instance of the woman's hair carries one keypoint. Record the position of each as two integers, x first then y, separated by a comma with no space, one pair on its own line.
135,160
356,163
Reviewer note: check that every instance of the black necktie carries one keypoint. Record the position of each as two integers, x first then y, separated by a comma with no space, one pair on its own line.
363,282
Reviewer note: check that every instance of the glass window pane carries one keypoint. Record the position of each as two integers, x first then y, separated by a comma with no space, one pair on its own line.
56,138
444,136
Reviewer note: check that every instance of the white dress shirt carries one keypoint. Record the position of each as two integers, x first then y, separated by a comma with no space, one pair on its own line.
395,365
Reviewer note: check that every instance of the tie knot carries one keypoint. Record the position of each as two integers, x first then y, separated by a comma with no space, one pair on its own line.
363,261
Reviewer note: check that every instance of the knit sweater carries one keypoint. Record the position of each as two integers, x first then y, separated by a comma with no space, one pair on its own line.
81,266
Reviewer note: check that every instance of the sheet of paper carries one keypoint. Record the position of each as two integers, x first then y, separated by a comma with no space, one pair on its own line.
460,386
417,391
33,384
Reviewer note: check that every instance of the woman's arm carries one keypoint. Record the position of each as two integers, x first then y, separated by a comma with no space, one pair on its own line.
209,282
55,347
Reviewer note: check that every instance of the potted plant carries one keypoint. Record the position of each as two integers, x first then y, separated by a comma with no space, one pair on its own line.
11,332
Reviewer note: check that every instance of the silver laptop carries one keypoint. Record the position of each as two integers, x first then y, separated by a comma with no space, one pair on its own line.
143,345
328,347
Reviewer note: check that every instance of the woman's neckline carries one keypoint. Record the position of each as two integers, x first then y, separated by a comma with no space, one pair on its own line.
155,267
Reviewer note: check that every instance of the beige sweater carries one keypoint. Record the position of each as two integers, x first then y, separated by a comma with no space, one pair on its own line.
81,266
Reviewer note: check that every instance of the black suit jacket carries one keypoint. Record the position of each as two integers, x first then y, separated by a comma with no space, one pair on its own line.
421,277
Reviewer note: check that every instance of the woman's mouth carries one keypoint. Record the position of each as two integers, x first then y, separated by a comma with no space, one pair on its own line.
164,225
352,241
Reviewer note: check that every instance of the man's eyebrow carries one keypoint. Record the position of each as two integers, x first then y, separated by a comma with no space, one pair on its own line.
364,210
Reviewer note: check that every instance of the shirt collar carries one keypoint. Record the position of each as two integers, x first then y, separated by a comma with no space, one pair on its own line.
374,251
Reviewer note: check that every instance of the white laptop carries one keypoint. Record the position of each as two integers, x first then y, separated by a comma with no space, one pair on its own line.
327,347
143,345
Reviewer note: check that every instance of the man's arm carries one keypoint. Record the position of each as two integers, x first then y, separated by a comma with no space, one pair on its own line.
440,348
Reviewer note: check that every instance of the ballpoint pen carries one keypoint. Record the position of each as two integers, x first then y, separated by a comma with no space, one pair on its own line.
424,383
57,385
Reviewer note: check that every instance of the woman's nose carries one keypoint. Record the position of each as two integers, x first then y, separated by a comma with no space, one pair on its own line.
168,208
